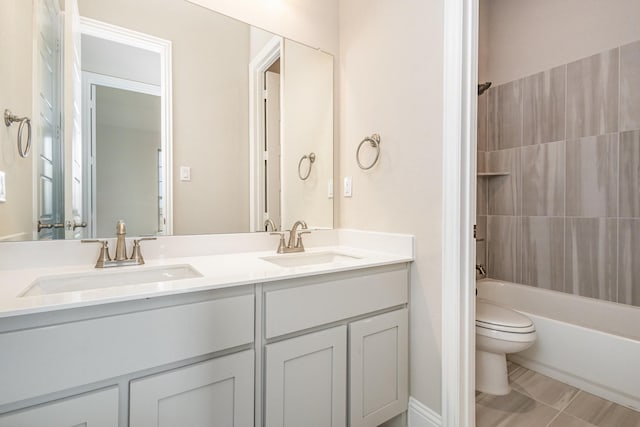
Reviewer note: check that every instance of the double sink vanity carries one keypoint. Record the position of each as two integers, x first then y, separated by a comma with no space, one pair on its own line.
206,333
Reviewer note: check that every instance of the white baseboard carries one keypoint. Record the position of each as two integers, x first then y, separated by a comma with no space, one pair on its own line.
421,415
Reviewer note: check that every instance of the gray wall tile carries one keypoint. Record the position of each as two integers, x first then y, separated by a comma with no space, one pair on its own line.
543,252
629,261
503,253
592,95
481,246
482,196
482,122
591,257
630,86
504,191
630,174
504,116
543,179
592,176
543,106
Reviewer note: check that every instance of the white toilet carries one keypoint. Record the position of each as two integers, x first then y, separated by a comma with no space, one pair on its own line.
499,330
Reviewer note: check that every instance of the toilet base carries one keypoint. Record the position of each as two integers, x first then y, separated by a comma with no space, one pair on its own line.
491,373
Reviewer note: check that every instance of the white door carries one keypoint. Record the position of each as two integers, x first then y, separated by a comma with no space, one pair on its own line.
47,130
218,392
74,214
272,142
306,380
378,368
98,409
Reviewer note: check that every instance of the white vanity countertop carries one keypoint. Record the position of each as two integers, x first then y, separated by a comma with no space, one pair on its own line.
218,271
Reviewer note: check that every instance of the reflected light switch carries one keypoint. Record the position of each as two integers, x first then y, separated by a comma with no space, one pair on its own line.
185,173
3,188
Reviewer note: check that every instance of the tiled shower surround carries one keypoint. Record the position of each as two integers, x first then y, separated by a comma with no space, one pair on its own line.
567,215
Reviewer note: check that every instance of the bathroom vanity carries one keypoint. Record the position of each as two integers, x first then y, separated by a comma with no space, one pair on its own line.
284,340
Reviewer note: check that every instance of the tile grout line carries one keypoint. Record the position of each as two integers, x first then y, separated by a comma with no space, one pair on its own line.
554,418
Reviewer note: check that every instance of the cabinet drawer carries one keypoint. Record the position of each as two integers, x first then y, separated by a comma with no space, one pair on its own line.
45,360
308,305
97,409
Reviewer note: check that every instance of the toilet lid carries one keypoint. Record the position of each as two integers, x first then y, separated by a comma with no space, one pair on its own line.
496,317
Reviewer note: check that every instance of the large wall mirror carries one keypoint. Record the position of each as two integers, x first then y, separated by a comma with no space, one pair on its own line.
168,115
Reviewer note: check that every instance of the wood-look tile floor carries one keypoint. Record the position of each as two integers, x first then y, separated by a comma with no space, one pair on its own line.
539,401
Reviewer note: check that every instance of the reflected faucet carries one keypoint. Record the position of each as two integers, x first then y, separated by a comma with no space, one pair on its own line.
269,223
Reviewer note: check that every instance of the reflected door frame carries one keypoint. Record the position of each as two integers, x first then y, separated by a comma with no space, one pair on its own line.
157,45
257,68
47,209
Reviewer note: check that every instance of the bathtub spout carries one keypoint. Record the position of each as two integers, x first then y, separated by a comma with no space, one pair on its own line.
481,270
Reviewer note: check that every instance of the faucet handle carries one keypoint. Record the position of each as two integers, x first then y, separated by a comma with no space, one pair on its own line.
281,245
136,252
104,256
299,239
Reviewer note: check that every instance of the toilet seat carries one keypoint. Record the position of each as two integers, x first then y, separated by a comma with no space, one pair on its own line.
492,318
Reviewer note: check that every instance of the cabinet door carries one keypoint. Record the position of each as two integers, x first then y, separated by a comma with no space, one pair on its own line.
378,368
218,392
306,380
98,409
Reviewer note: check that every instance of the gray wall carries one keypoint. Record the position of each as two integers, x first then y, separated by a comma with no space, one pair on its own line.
567,217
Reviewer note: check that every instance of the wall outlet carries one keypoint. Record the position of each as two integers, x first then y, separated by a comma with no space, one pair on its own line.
3,188
185,173
348,187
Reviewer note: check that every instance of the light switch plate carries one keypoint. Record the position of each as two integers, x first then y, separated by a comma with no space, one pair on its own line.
185,173
3,188
330,189
348,187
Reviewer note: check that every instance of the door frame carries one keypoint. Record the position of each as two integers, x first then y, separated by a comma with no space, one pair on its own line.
459,210
162,47
269,54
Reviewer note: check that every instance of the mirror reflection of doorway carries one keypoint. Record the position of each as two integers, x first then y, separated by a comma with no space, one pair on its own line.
126,180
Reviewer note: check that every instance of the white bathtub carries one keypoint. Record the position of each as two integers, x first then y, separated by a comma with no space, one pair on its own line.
591,344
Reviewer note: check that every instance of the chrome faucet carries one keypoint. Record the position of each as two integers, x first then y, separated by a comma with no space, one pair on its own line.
295,239
481,270
121,259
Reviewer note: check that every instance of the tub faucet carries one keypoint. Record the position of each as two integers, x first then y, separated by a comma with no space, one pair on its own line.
481,270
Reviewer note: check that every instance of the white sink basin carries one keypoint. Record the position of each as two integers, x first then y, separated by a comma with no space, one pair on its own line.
311,258
108,279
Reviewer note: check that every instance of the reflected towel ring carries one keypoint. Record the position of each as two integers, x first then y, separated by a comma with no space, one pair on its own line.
374,140
10,119
312,159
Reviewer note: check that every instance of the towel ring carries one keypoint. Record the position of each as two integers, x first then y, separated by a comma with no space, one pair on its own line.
10,119
312,159
374,140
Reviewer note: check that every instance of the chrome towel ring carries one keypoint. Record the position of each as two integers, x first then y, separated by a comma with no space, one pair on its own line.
374,140
10,119
312,158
